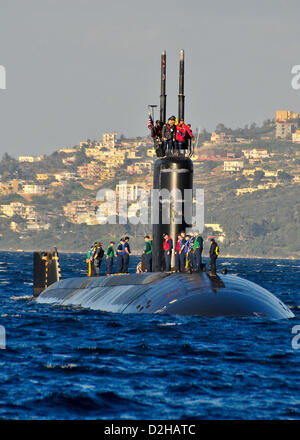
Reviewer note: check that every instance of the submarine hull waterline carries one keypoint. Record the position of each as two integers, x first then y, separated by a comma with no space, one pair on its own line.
160,293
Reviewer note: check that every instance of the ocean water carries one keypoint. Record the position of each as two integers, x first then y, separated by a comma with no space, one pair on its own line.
70,363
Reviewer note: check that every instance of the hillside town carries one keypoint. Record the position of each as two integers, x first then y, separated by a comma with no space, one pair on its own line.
50,197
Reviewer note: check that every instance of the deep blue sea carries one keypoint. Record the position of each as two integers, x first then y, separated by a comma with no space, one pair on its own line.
70,363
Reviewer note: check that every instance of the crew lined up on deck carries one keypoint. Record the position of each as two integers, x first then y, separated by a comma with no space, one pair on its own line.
96,253
187,251
171,138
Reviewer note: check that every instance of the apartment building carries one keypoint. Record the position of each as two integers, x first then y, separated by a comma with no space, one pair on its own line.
233,166
128,191
30,159
80,211
287,122
222,138
256,153
89,171
33,189
296,136
109,139
139,168
65,175
17,208
42,176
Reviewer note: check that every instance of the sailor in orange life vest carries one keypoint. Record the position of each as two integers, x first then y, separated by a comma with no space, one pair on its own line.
168,246
182,131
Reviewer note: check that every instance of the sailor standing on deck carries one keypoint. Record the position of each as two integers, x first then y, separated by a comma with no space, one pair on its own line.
181,252
168,246
148,253
198,249
188,252
98,255
213,253
177,253
110,257
119,254
191,251
126,255
90,260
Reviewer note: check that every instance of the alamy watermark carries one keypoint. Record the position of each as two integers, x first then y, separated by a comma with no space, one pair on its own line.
2,338
2,78
296,338
134,205
296,78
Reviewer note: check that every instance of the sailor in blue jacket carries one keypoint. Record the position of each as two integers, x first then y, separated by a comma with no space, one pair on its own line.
119,254
126,255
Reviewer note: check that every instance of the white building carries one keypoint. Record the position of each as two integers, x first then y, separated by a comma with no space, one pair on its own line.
256,153
139,168
110,137
33,189
221,138
17,208
29,159
296,136
65,175
233,165
80,211
68,150
38,225
128,192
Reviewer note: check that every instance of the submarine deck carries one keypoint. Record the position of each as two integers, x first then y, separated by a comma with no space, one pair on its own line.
175,293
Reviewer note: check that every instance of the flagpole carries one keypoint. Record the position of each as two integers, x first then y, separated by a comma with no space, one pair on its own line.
152,106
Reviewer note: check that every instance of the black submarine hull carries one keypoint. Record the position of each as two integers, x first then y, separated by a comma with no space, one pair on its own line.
172,176
160,293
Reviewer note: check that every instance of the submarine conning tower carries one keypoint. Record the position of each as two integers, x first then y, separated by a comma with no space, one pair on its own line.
172,180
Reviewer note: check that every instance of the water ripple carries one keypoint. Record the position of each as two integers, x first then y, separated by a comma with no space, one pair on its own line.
68,363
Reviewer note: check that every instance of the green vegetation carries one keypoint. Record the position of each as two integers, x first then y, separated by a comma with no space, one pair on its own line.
252,132
263,223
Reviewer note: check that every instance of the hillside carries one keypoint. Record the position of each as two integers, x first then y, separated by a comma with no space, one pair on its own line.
252,209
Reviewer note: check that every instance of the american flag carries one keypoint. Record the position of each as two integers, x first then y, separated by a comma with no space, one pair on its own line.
150,122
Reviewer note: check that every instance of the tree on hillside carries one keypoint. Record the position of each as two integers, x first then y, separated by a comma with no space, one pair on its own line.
9,165
258,175
282,176
220,128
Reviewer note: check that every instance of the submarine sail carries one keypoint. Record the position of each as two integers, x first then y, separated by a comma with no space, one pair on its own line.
172,183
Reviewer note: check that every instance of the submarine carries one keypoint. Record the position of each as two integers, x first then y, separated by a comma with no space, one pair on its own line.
194,292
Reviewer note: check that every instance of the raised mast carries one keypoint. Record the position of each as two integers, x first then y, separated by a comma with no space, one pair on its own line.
163,96
181,86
